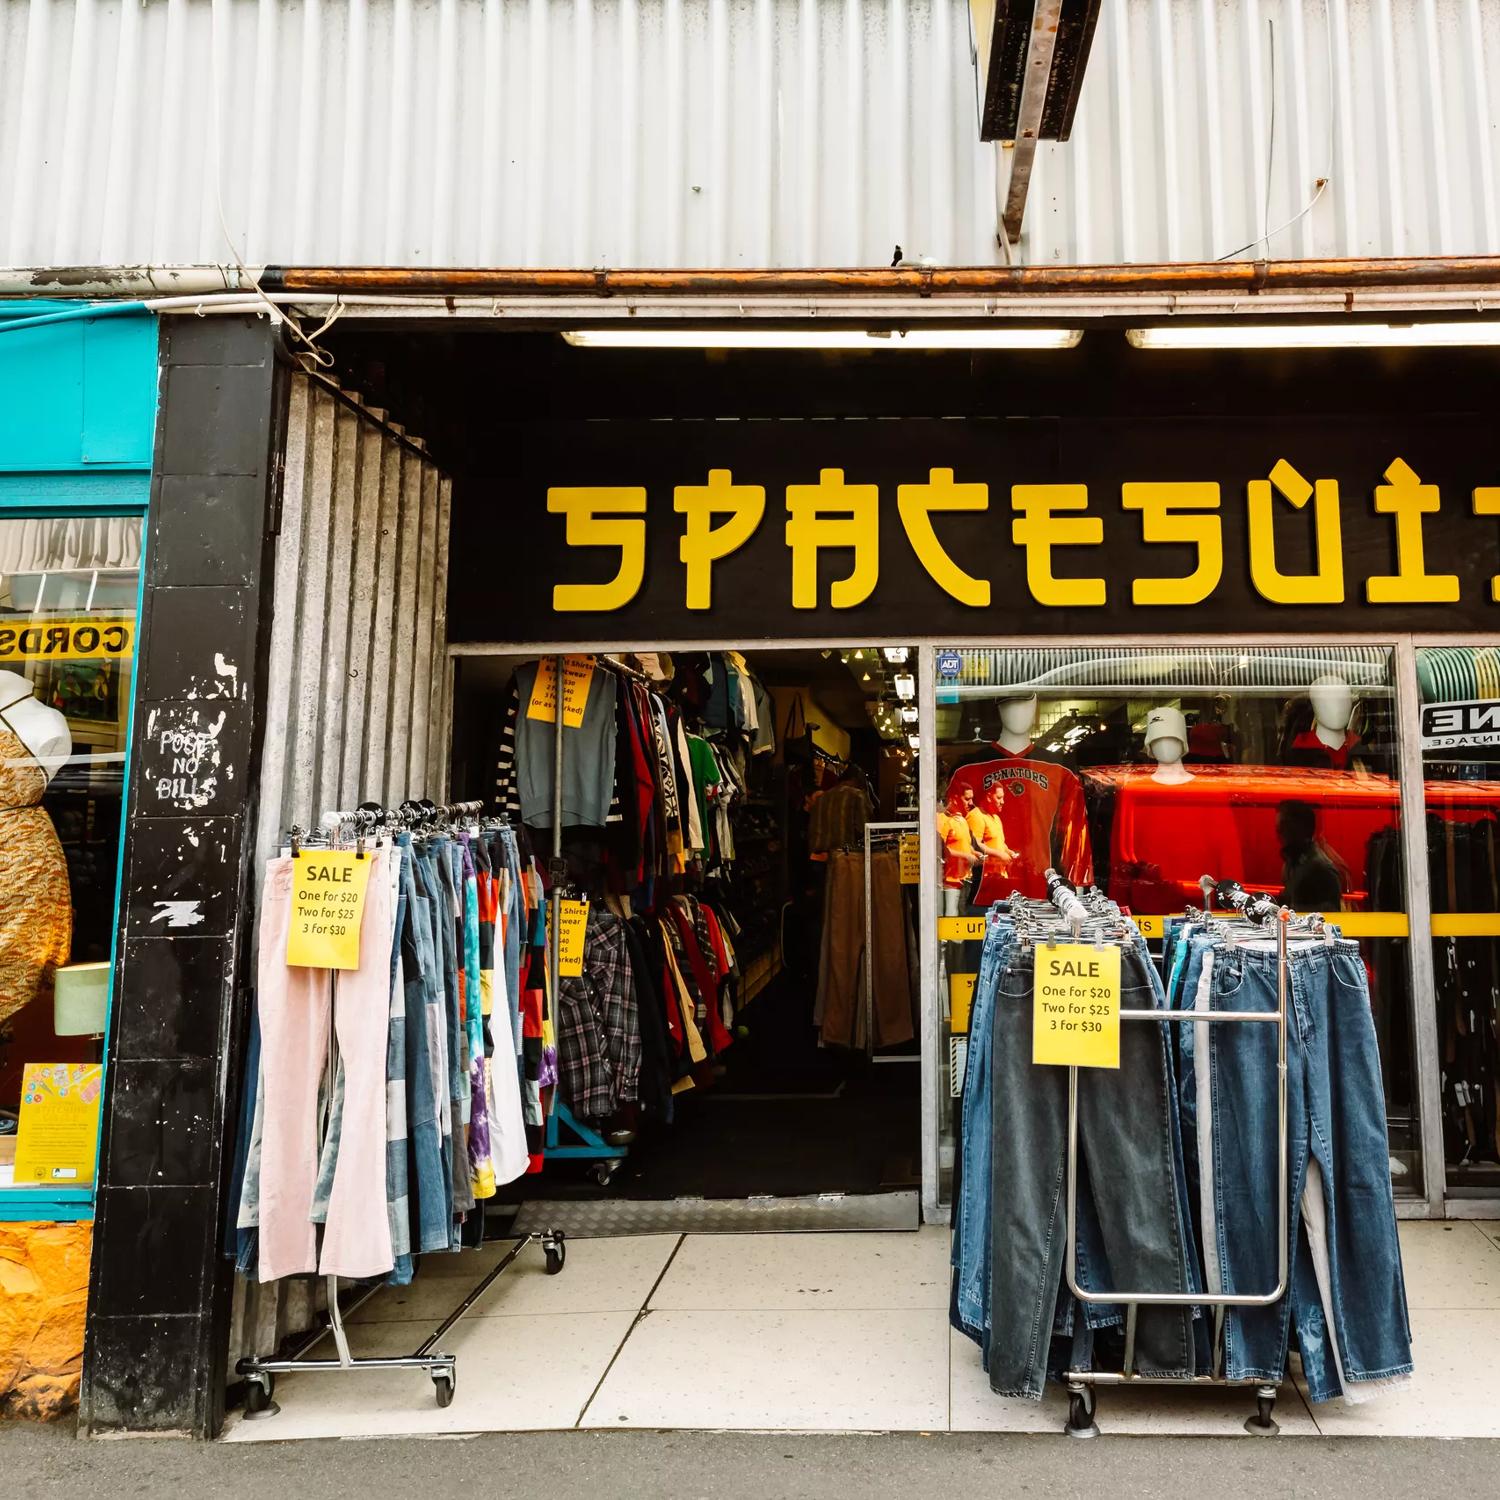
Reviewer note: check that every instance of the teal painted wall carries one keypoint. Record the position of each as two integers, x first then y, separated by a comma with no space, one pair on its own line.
78,396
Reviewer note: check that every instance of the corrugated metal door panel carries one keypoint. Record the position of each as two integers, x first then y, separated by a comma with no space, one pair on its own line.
359,705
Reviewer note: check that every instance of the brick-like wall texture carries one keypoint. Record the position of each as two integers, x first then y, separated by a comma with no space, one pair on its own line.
44,1292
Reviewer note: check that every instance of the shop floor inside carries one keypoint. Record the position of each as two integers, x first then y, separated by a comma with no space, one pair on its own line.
819,1332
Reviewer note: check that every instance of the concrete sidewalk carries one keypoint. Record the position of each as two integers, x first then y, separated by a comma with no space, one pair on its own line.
600,1466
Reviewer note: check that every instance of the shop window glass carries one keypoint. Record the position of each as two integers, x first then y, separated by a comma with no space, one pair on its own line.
1460,688
1143,770
68,599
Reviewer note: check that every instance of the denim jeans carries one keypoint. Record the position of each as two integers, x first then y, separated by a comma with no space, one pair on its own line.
969,1311
429,1170
1347,1294
1130,1176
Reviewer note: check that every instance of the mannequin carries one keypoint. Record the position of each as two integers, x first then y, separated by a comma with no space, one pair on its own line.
1166,743
1329,743
36,909
1333,707
1017,724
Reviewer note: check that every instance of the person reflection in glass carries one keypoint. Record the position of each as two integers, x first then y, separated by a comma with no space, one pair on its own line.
1314,878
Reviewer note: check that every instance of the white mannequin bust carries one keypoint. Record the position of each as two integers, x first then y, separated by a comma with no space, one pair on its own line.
1333,709
1017,724
1166,743
44,731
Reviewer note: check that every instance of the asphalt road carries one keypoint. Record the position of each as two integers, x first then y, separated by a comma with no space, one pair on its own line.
599,1466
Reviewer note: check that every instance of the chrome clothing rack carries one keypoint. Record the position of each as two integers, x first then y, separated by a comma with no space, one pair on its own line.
260,1374
1082,1384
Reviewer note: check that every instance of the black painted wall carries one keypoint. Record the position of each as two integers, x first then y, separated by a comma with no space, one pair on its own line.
159,1291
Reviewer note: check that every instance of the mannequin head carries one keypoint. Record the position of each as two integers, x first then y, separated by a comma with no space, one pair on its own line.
1333,707
1166,744
1017,722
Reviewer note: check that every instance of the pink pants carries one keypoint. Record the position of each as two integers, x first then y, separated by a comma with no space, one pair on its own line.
294,1006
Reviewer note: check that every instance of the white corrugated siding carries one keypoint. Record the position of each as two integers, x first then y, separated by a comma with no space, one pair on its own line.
765,133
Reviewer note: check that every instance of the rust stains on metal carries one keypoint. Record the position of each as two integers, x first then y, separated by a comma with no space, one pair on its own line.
1249,277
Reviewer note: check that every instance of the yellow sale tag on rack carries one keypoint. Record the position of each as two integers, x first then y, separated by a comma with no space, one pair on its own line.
58,1131
911,859
960,1001
578,674
1076,1006
572,922
328,908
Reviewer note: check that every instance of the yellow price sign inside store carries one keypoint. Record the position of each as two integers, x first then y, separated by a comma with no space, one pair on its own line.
578,674
911,859
328,908
960,929
573,925
1076,1006
960,1001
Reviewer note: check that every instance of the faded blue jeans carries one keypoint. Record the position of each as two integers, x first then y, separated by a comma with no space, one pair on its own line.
1130,1185
1347,1294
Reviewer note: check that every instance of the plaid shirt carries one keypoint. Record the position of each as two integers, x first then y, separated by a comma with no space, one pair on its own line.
598,1025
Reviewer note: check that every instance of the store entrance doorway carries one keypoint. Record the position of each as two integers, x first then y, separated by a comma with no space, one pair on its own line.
762,1046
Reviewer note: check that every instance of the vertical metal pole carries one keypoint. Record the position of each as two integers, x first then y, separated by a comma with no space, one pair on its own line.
330,1079
554,910
869,967
1425,1067
930,1002
1283,1207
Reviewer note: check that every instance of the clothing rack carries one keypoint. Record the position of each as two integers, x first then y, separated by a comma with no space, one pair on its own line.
260,1374
1082,1384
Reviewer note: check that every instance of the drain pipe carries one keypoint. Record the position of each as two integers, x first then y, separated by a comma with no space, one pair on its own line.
226,302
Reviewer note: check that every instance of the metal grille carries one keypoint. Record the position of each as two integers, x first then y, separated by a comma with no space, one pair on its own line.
816,1214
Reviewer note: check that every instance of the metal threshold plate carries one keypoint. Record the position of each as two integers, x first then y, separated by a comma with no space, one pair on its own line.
819,1213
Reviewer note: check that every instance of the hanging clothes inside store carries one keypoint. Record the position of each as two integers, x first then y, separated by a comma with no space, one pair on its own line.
441,1039
657,760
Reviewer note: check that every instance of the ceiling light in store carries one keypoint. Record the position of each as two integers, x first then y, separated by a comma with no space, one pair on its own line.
909,713
914,740
1315,335
906,685
878,339
896,655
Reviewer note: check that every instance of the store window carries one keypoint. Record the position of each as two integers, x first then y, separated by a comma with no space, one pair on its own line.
1142,770
68,603
1460,689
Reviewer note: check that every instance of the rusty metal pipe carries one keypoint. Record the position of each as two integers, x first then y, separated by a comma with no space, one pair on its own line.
1248,277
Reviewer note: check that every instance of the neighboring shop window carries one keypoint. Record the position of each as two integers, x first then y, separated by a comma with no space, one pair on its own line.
68,600
1460,688
1143,770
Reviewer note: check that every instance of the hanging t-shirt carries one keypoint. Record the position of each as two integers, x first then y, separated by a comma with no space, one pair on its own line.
1042,813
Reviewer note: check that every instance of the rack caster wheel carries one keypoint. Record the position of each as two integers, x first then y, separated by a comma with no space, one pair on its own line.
603,1172
259,1389
444,1384
1081,1422
557,1254
1262,1424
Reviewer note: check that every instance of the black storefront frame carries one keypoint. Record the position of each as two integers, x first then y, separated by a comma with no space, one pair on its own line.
160,1291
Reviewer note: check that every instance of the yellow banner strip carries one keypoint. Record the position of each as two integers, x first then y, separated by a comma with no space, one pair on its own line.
960,929
1465,924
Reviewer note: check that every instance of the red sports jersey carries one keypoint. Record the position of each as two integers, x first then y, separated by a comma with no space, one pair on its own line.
1309,750
1042,812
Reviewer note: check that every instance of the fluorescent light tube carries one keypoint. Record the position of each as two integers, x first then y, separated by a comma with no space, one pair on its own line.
823,338
1314,335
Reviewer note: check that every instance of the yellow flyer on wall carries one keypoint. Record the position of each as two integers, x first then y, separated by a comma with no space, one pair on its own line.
911,859
1076,1006
328,907
58,1134
573,922
578,675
